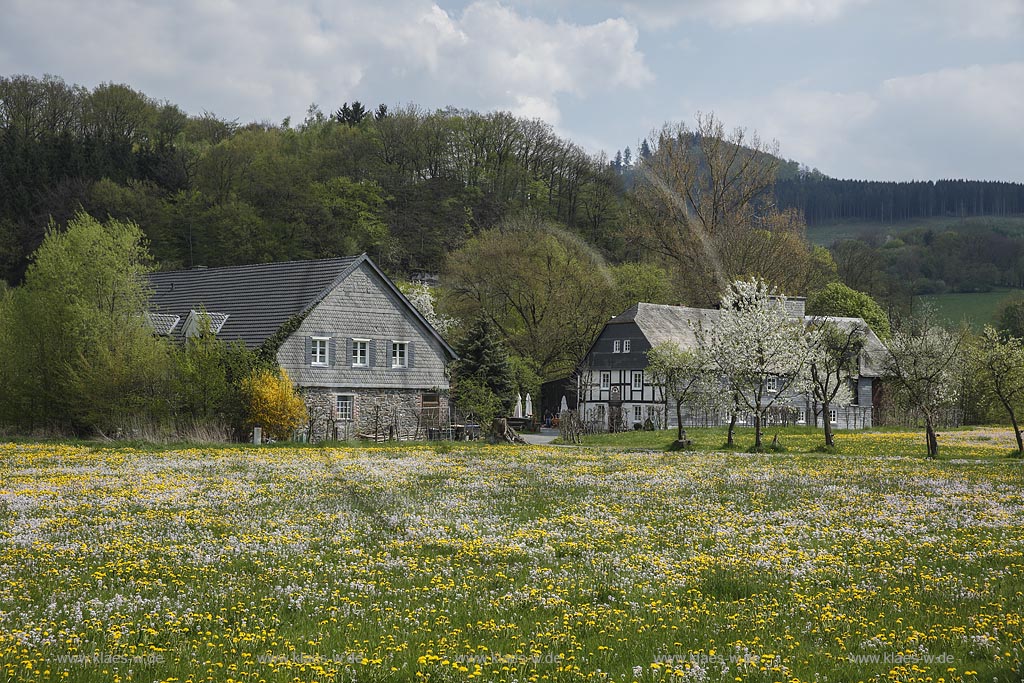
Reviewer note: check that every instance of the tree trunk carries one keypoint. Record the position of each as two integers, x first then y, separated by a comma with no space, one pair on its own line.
933,442
679,421
1016,432
1016,427
757,430
730,438
830,439
501,430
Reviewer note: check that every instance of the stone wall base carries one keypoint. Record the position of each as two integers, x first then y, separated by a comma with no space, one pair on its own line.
379,414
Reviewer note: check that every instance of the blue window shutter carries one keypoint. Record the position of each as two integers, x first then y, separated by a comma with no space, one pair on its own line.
332,351
409,354
348,351
371,352
309,350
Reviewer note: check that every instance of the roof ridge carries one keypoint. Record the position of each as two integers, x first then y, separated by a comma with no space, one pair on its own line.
242,266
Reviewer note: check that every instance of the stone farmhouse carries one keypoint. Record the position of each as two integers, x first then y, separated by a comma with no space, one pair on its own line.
366,361
616,392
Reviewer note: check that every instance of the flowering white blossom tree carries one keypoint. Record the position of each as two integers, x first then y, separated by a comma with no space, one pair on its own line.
756,342
922,366
684,377
999,364
834,355
422,297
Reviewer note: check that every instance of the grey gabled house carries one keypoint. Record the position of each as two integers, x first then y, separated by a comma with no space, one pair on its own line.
366,361
616,392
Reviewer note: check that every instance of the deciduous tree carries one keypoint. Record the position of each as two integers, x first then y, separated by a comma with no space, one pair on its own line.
79,313
834,358
999,363
694,191
684,377
836,299
546,292
922,368
422,296
755,341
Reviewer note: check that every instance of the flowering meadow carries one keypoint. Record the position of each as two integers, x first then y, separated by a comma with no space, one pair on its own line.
515,564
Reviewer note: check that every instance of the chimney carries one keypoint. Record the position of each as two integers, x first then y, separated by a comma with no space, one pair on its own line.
795,306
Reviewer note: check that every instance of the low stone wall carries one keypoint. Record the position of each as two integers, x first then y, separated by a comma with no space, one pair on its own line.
380,414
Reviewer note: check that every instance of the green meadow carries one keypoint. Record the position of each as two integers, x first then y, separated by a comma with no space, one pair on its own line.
513,564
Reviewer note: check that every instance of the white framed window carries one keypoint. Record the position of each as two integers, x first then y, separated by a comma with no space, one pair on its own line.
319,349
399,354
638,381
606,380
617,346
833,415
343,406
625,346
772,384
638,413
801,416
360,353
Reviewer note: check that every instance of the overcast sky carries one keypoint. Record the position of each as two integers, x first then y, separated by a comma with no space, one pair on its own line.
877,89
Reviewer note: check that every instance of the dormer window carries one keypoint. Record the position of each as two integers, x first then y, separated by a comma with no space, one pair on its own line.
198,322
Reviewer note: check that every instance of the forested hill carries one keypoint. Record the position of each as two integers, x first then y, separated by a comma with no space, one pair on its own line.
822,199
406,185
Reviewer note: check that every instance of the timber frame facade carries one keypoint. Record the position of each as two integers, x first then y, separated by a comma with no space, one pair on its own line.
616,392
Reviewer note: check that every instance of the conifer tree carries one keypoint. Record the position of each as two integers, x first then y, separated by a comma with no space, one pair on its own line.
484,360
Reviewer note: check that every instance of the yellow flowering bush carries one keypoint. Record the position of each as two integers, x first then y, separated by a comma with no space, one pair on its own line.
273,403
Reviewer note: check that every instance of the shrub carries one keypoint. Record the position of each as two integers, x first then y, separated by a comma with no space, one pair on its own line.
272,403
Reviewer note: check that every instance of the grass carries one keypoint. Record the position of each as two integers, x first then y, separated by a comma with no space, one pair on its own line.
827,233
892,441
511,564
976,309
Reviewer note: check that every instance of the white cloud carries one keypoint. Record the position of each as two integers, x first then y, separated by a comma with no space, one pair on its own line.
662,14
810,125
989,19
730,12
532,62
264,59
950,123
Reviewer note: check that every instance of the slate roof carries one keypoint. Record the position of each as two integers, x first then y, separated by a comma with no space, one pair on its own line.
678,324
257,299
874,355
163,324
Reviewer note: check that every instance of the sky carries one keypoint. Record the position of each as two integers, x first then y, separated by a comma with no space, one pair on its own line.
871,89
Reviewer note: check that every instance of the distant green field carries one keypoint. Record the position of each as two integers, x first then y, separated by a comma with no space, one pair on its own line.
826,234
977,309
